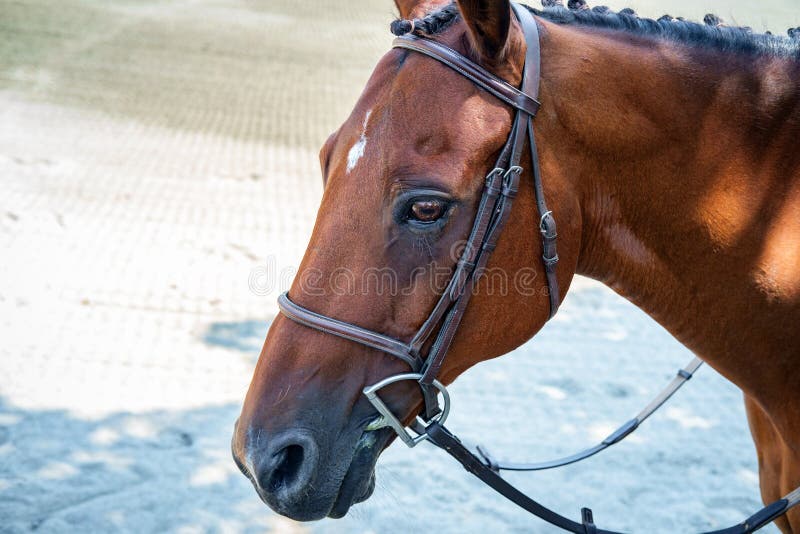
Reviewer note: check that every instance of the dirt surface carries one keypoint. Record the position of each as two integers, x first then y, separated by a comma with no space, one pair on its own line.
159,175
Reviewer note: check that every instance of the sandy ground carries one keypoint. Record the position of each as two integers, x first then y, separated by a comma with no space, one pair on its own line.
159,179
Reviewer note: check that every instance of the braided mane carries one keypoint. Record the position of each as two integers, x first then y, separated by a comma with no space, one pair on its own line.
713,33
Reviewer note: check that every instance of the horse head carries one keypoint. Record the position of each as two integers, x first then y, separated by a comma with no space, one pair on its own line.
404,177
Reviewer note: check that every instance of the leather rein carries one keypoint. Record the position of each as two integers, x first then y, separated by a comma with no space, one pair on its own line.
500,189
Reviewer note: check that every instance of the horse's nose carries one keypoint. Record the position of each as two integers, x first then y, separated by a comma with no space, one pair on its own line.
285,466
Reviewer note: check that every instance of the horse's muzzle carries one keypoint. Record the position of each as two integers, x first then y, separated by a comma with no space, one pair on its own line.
281,469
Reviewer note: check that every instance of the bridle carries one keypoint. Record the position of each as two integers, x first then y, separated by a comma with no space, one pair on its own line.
500,189
439,329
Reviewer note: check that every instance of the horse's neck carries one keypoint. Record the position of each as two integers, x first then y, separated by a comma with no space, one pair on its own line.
688,175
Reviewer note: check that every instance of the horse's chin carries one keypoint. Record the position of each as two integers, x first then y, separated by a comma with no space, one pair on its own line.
352,492
359,481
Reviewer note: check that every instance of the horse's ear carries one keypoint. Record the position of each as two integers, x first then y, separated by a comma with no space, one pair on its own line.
405,7
489,23
411,9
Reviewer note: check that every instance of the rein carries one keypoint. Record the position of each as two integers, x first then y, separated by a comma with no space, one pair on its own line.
500,189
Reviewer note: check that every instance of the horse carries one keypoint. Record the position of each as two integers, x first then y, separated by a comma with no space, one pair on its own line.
669,159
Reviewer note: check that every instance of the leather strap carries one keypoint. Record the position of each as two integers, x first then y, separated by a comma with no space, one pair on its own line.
314,320
547,228
629,427
533,62
480,251
442,438
454,289
472,71
547,223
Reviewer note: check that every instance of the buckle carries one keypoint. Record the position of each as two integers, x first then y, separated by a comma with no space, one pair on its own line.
547,225
491,189
497,171
388,419
511,181
516,169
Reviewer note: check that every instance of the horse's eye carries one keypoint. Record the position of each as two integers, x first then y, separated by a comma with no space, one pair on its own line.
427,211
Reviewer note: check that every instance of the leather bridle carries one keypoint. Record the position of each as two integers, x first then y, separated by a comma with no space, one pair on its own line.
494,208
439,329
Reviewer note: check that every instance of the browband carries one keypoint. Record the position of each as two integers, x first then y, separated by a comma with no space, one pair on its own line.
472,71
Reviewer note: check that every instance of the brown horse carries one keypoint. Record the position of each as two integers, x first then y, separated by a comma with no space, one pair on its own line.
669,155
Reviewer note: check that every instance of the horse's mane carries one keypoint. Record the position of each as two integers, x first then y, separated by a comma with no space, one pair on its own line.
714,33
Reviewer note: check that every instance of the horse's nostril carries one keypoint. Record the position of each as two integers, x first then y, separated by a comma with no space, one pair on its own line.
287,464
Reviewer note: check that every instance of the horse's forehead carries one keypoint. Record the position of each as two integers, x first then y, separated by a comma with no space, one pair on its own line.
416,115
410,94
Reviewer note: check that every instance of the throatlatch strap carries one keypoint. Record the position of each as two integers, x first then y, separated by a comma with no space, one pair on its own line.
547,227
547,223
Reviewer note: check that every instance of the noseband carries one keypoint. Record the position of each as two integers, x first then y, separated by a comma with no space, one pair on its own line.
500,189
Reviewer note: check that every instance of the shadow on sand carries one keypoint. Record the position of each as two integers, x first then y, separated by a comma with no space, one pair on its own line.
157,471
243,336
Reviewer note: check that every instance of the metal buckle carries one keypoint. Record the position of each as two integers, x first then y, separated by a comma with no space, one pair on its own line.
497,171
516,169
388,419
511,181
546,225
